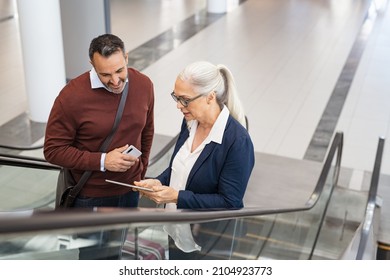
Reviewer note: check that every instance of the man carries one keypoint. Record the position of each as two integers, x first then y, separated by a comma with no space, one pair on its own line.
83,115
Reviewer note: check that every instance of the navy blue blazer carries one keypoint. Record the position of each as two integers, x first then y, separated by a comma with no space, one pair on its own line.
220,175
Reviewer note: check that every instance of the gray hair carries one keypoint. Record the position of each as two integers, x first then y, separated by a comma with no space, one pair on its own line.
206,77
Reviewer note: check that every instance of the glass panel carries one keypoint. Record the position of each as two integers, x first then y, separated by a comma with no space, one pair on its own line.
159,166
89,245
204,241
146,243
92,243
289,236
344,214
27,188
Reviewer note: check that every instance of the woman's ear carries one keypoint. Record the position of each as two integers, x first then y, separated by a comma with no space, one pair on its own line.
211,97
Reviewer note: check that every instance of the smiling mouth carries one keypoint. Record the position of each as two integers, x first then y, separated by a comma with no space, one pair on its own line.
116,88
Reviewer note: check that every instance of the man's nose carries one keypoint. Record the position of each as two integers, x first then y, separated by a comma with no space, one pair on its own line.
115,80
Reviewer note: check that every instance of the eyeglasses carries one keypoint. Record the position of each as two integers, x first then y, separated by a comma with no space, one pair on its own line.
184,101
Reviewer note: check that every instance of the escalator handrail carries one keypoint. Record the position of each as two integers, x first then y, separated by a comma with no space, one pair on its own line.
29,221
371,201
21,148
337,145
18,156
28,162
35,162
38,220
163,151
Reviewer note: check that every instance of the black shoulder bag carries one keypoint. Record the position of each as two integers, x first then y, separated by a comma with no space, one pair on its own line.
67,188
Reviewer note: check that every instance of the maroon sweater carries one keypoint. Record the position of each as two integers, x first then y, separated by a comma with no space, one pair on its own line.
80,120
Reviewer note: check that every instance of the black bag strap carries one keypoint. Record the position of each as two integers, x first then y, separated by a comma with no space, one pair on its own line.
84,178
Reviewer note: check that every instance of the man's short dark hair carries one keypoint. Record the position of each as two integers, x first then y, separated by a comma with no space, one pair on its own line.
106,45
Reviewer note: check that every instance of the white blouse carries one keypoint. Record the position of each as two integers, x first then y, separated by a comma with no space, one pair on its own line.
181,168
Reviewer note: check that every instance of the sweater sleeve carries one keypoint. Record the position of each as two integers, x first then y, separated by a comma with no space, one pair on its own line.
59,138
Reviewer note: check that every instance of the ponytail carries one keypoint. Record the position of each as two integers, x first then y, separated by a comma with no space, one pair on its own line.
231,99
206,77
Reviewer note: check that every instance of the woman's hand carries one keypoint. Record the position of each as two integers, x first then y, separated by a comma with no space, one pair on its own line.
160,194
148,183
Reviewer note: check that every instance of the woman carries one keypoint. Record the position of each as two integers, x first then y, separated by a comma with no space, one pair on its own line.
214,156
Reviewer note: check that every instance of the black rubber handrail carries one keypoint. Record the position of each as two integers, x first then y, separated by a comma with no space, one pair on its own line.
28,162
38,220
163,151
22,148
337,145
18,160
371,201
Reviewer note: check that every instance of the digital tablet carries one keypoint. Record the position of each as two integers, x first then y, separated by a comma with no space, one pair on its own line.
129,185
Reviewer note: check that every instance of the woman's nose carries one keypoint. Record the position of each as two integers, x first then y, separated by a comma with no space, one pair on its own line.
179,105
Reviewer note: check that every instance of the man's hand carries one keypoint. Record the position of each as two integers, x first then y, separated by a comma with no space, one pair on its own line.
117,162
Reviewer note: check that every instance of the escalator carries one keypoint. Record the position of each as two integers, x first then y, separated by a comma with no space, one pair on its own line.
315,229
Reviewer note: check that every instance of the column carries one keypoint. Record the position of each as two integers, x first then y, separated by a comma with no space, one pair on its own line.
82,20
43,56
217,6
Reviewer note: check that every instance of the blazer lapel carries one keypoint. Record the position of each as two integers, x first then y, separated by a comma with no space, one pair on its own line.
202,157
